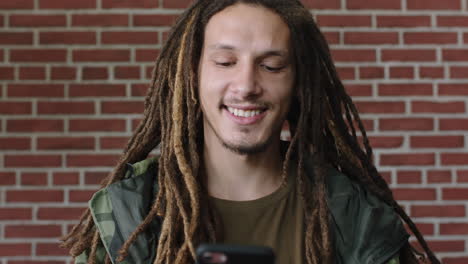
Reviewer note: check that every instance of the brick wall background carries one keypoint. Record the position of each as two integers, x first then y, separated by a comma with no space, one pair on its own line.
73,75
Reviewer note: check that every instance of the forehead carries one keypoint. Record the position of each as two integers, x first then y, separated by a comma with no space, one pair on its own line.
247,27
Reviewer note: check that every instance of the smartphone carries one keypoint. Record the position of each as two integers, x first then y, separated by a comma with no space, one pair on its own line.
234,254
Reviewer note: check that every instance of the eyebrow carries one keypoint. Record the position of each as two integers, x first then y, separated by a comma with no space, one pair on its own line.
273,52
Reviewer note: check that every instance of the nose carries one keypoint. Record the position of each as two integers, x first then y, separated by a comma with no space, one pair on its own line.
246,81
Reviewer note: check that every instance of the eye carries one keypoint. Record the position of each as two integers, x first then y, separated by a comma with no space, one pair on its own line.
272,69
225,64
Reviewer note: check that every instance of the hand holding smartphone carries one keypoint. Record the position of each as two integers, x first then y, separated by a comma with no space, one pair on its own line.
234,254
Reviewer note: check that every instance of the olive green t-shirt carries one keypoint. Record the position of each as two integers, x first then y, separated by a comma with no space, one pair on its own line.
275,220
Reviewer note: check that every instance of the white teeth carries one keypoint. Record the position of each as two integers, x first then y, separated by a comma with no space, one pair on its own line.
242,113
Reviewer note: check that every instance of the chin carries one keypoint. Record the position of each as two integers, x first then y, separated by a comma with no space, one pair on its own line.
246,148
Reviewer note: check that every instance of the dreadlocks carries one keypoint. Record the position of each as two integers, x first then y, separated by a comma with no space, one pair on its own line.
323,120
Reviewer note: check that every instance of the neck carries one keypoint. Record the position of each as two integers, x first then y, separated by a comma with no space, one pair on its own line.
232,176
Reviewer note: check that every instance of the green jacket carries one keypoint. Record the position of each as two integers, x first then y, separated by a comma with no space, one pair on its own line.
365,229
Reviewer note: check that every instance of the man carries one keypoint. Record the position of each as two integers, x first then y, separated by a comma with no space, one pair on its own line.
231,73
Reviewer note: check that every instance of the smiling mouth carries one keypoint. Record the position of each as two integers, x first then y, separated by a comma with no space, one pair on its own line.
244,113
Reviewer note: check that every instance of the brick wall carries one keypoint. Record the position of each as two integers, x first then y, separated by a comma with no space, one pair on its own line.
73,76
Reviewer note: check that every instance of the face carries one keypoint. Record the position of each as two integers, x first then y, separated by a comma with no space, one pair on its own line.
245,78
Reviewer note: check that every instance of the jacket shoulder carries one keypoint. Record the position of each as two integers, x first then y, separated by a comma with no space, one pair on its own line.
367,230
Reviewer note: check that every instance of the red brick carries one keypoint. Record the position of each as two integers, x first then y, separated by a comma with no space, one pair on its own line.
443,246
439,177
385,141
380,107
98,125
91,160
372,72
129,37
122,107
438,107
149,72
371,38
63,73
359,89
34,196
67,38
403,21
70,108
408,55
452,21
426,229
113,142
31,20
101,55
66,178
453,89
154,20
36,125
332,37
433,5
402,159
181,3
100,20
17,4
7,178
438,211
431,72
95,73
354,55
458,72
15,108
454,229
408,177
455,260
15,143
129,3
401,124
33,161
32,73
59,213
376,4
15,249
139,89
402,72
405,89
36,90
454,158
346,73
414,194
146,55
35,262
38,55
15,214
7,73
127,72
33,178
65,143
437,141
344,21
453,124
95,177
67,4
16,38
97,90
455,55
430,38
32,231
51,249
80,196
